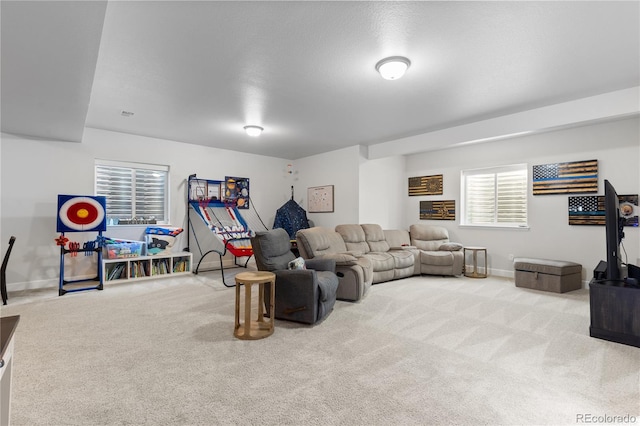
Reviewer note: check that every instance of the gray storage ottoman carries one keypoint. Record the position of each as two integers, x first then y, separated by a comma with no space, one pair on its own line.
548,275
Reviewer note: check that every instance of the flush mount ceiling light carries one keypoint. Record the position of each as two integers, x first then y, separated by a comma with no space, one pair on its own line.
253,130
392,68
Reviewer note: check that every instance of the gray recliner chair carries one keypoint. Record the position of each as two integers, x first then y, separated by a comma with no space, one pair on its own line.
438,256
302,295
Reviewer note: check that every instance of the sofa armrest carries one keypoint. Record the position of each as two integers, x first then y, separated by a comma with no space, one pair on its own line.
320,264
403,248
450,247
297,294
341,259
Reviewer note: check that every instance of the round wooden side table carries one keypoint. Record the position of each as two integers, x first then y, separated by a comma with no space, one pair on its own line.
259,328
474,251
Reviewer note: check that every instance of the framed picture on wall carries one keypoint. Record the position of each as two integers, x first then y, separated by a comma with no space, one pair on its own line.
320,199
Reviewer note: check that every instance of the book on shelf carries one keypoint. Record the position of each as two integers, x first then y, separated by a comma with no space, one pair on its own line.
117,272
160,266
180,266
138,269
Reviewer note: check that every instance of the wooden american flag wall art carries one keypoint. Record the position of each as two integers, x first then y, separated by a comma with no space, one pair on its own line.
589,210
425,185
438,210
566,178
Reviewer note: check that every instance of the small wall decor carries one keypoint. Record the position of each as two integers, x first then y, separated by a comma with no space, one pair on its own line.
425,185
589,210
237,191
320,199
81,213
438,210
565,178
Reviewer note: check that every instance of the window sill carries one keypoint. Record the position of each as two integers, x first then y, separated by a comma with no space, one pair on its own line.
138,225
502,227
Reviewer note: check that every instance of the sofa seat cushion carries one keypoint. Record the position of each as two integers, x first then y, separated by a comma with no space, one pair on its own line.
436,258
402,258
381,261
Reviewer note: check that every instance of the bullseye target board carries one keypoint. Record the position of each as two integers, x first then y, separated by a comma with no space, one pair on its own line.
78,213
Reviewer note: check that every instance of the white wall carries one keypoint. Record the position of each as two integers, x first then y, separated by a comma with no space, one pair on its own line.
383,189
614,144
339,168
34,172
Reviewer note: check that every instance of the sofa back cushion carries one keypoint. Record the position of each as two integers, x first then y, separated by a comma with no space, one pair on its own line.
316,241
428,237
397,238
353,237
374,235
272,250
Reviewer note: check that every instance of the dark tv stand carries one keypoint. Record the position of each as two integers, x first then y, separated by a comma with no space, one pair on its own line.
615,311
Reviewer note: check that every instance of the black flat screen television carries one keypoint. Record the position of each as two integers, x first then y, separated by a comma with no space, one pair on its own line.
614,230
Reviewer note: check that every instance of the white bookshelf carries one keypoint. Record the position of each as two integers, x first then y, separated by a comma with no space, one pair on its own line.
146,267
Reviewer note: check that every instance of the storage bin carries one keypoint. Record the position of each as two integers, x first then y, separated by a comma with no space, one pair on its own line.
548,275
124,249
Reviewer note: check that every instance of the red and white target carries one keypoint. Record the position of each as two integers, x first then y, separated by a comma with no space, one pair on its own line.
81,213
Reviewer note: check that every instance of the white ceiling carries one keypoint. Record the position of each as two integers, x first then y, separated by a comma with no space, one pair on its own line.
197,72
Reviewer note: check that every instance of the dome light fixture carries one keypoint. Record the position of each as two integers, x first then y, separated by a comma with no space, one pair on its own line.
393,67
253,130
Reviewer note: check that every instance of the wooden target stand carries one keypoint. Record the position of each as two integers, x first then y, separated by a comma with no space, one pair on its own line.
81,214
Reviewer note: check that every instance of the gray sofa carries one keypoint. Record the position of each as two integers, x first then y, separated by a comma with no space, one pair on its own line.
366,254
354,271
370,240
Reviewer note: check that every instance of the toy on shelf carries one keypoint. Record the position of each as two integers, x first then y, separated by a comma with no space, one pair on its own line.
219,205
123,249
160,239
80,214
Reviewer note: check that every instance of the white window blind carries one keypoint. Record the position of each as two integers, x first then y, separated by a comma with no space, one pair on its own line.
133,191
495,197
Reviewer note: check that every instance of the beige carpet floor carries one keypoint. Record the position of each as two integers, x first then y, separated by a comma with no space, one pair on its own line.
420,351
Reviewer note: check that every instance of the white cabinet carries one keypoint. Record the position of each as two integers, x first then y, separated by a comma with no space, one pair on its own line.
146,267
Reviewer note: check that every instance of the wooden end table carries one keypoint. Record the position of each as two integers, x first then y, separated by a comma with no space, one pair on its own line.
474,251
258,328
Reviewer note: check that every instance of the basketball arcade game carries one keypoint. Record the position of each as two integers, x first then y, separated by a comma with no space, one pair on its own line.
81,214
218,204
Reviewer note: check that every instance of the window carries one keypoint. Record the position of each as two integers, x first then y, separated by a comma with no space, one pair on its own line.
133,190
495,196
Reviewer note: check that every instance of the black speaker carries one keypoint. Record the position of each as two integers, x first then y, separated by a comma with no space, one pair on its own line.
600,273
633,271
